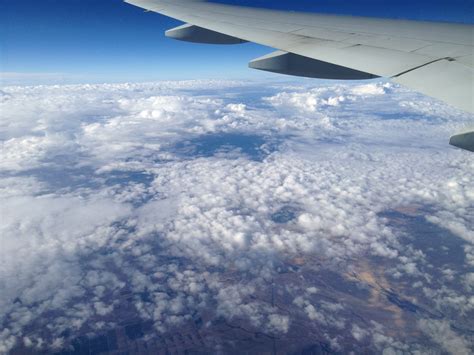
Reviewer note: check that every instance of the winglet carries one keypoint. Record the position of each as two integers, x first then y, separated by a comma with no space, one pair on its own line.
463,141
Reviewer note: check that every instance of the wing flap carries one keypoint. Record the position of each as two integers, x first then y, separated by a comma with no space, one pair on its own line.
467,60
400,44
446,80
446,50
378,61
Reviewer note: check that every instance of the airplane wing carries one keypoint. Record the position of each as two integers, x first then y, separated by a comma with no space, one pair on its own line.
436,59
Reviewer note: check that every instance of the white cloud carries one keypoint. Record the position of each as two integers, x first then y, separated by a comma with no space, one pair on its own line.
441,333
359,333
278,323
370,89
170,196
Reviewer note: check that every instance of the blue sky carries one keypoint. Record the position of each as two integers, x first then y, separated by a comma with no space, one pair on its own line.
110,41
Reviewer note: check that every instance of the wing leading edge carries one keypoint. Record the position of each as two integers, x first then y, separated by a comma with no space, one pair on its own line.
436,59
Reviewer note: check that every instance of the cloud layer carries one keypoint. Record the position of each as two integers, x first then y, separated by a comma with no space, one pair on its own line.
339,208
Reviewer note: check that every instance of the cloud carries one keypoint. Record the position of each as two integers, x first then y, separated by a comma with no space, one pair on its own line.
441,332
370,89
164,202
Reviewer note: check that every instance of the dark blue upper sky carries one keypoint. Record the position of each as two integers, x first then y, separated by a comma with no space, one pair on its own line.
108,40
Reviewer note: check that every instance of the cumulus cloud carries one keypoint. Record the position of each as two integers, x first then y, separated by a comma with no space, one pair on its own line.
442,333
177,204
370,89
